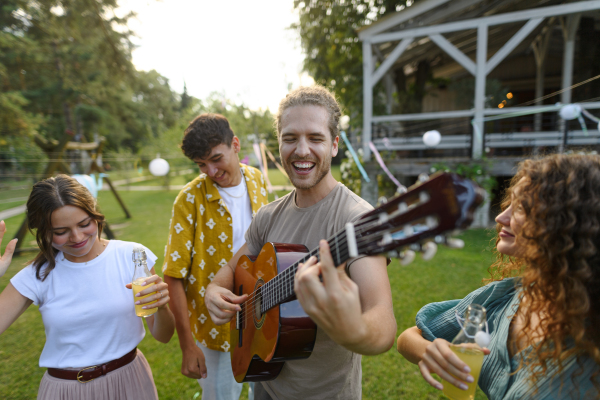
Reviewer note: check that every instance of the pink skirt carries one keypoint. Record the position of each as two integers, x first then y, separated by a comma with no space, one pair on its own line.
130,382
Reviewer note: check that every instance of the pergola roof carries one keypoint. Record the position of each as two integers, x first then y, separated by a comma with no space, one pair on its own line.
475,34
430,13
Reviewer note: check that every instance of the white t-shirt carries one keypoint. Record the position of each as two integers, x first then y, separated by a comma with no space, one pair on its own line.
88,313
238,203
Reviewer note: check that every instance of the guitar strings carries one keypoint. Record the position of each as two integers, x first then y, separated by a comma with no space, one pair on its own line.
285,276
340,247
280,284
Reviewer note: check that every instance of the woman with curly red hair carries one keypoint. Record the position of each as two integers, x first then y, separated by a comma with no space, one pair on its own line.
543,300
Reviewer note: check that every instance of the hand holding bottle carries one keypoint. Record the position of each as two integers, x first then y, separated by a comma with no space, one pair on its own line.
441,360
149,291
156,290
458,363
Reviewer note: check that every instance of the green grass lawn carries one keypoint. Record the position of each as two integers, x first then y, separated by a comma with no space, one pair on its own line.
10,197
451,274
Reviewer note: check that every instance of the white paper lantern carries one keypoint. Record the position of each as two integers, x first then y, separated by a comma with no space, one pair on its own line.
570,111
344,122
159,167
432,138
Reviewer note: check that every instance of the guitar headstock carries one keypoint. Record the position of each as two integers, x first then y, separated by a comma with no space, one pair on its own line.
443,203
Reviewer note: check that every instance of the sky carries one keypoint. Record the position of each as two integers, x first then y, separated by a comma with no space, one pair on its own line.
239,48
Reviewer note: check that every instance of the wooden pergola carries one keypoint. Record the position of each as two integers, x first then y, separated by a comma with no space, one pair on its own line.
478,35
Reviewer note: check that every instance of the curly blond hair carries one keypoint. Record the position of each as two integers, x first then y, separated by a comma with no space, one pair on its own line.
560,268
312,96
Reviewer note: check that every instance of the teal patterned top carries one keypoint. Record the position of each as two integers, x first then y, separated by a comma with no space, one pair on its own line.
497,379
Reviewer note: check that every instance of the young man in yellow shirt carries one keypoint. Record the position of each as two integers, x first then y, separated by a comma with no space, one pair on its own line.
210,216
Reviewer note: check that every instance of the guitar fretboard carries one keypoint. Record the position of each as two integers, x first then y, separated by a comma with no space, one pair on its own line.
281,288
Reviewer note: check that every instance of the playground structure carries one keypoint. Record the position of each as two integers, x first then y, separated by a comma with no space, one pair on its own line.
55,149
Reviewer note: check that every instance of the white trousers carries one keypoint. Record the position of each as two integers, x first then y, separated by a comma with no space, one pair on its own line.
219,383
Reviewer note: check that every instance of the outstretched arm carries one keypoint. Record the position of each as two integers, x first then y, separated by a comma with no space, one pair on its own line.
356,313
221,302
12,303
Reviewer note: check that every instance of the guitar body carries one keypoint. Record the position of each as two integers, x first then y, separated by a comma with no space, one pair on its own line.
284,332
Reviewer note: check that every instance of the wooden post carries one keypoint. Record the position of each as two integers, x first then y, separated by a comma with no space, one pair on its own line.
477,142
569,33
112,188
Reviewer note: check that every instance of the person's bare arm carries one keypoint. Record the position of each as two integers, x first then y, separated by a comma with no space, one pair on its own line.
12,304
193,364
356,313
221,302
412,345
434,357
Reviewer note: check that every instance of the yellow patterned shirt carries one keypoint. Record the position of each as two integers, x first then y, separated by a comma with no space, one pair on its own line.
200,243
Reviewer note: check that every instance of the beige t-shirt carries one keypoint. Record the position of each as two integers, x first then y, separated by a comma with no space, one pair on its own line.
331,371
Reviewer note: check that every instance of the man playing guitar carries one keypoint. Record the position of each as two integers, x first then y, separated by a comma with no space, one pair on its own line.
352,303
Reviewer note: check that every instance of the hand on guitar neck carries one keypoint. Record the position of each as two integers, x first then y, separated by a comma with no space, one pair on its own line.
332,300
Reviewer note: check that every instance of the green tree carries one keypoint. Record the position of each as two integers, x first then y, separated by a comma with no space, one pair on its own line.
243,121
186,99
328,31
67,65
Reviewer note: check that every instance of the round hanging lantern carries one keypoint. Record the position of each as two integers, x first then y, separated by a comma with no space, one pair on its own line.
570,111
432,138
159,166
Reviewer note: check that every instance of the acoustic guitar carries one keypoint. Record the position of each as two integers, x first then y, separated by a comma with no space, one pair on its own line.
272,326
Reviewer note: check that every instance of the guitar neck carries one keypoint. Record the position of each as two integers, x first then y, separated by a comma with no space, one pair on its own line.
281,288
444,203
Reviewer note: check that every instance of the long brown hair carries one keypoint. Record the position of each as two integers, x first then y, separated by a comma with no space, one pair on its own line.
560,269
46,197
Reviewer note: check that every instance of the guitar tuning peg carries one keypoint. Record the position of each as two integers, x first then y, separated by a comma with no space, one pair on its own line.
381,200
455,243
401,190
429,249
406,257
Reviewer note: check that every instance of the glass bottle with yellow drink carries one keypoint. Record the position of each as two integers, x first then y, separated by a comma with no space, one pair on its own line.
140,275
467,345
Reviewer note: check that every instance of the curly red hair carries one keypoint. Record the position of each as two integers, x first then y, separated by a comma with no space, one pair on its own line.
560,268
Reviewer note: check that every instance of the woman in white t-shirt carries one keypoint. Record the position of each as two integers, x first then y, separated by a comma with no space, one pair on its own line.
81,284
